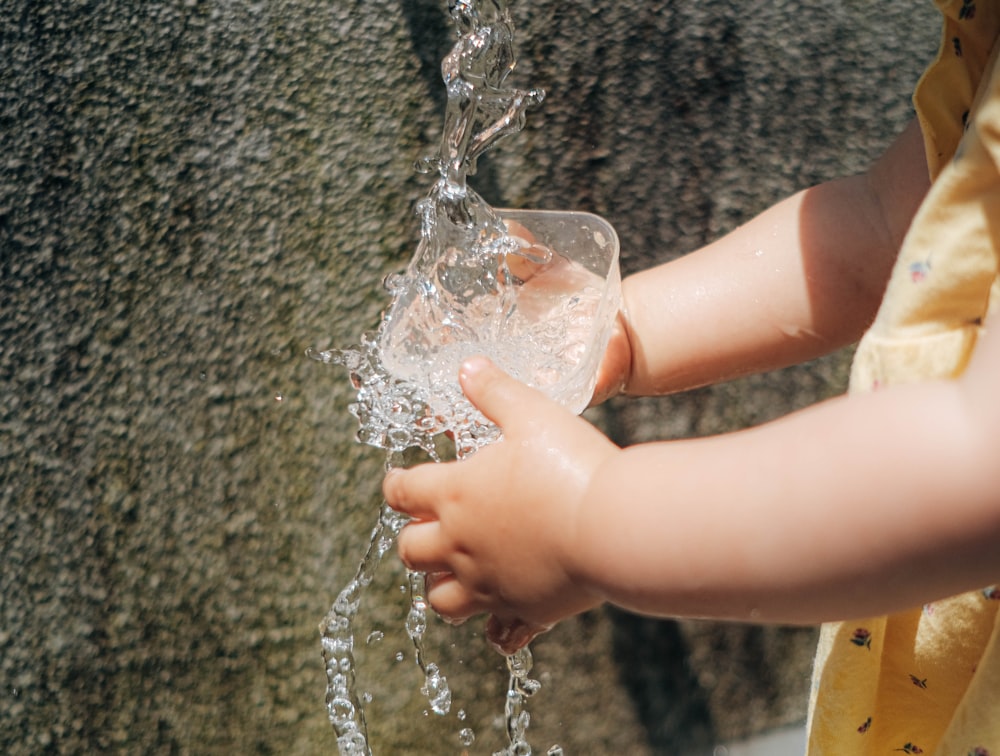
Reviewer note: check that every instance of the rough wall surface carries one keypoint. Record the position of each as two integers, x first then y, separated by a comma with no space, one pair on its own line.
192,192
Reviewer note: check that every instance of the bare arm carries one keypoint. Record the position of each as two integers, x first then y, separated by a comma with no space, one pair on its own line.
858,506
855,507
800,280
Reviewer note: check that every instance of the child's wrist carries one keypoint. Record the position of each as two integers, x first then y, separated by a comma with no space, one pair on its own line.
585,533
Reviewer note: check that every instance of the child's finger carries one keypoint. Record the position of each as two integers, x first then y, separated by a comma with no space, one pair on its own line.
616,366
420,547
451,600
519,230
494,393
508,636
523,268
530,258
525,263
414,491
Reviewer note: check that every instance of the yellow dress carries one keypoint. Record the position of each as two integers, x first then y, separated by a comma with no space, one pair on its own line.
927,681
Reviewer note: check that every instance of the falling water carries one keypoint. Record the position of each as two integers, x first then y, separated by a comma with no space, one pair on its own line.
459,295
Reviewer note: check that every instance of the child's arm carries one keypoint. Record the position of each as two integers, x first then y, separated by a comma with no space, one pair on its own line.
858,506
516,529
800,280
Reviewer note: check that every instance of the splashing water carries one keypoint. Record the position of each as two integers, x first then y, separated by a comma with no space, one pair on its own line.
474,286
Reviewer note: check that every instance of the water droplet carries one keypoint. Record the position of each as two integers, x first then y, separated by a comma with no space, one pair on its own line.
519,663
395,282
337,647
416,623
520,748
529,687
374,637
352,743
341,710
436,689
466,736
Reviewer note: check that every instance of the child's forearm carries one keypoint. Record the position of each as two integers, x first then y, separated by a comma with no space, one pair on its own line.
800,280
856,507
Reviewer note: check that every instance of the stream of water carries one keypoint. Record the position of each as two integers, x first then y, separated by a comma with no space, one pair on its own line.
461,294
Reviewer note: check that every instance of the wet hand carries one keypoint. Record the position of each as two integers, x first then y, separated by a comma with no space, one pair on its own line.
530,259
615,369
497,529
616,366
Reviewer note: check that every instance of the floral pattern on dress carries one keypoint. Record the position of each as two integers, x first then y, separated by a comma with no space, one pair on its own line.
919,270
910,726
862,638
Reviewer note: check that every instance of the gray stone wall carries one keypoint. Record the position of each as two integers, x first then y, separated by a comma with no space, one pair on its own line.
192,192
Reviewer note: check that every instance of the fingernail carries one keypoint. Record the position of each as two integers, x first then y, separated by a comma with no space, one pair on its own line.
511,635
388,484
473,366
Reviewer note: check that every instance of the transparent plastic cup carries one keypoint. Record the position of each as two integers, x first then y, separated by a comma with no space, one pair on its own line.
547,323
568,304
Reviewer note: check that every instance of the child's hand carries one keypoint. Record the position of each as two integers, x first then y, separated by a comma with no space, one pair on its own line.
496,531
616,366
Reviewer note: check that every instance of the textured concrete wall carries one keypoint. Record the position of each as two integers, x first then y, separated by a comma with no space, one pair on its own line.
192,192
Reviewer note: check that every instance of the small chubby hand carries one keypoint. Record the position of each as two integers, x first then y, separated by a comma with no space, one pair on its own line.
496,531
615,370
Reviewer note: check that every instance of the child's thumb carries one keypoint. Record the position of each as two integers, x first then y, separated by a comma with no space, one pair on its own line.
495,393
